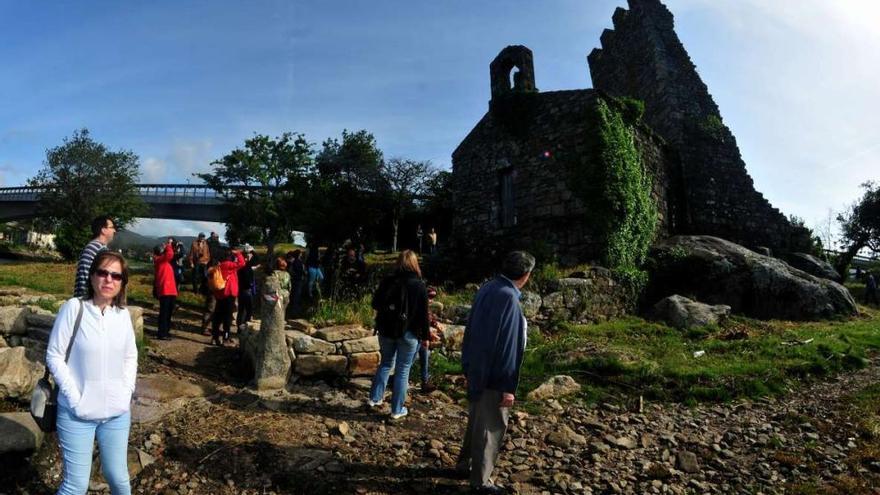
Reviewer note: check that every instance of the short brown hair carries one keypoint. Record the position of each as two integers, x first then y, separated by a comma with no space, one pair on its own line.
408,261
103,258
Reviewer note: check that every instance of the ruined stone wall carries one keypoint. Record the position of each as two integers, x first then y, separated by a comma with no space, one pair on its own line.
540,137
643,58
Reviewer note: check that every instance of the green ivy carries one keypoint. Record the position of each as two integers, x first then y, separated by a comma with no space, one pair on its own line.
616,188
713,127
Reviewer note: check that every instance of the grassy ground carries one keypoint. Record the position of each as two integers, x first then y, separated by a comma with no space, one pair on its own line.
742,358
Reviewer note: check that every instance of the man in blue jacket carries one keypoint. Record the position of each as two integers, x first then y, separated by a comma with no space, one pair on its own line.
491,357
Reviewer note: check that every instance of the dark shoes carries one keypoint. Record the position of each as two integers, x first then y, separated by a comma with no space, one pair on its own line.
164,337
428,387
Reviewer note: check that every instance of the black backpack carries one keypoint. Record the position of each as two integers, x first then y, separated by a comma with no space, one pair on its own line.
391,315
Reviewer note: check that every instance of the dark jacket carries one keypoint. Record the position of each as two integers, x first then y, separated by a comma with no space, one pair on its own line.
494,339
246,276
416,303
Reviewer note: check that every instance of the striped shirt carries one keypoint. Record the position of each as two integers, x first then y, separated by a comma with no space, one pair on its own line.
89,252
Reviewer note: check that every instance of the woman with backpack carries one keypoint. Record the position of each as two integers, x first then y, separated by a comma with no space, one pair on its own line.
223,282
165,286
401,304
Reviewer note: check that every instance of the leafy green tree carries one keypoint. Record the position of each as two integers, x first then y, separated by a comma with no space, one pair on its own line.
84,180
265,184
344,192
405,182
860,227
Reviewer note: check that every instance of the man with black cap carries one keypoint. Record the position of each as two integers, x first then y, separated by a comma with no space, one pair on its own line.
199,257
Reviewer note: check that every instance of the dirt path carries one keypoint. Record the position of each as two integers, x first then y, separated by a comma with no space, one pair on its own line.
316,438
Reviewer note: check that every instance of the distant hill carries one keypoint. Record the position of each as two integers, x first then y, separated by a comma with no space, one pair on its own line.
126,240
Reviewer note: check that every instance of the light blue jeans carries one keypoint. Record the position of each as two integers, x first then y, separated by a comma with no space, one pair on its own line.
403,349
77,439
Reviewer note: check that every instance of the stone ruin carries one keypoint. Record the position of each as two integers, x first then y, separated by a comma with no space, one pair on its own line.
510,174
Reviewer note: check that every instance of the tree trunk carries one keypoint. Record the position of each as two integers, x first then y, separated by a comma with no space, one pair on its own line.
394,222
845,258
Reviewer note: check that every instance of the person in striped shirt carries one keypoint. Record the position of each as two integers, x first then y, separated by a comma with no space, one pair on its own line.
103,228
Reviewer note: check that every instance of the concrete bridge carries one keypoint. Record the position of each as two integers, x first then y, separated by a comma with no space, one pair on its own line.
171,201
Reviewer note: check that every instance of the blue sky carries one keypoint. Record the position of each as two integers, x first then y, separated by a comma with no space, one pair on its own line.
182,83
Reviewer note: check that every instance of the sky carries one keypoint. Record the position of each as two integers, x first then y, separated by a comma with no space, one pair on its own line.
183,83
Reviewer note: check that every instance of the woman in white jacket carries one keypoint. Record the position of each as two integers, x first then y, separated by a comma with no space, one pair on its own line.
97,381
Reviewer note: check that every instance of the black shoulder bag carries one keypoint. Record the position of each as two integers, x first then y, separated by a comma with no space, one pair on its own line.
44,400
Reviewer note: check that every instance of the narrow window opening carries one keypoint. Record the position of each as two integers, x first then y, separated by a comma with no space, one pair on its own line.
506,198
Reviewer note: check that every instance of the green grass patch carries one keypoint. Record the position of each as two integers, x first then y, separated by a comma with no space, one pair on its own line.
57,279
339,312
634,356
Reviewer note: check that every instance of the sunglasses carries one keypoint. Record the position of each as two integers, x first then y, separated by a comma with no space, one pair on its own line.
102,273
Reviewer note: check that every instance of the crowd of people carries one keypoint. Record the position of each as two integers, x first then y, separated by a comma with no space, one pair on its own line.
93,356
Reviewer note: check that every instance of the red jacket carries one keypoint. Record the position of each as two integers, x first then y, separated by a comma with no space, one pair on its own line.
229,269
164,273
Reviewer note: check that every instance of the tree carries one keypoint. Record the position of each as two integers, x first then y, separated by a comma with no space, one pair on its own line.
405,181
344,193
824,230
83,179
265,184
860,227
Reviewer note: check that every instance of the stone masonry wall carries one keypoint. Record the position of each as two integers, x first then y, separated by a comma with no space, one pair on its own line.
540,137
643,58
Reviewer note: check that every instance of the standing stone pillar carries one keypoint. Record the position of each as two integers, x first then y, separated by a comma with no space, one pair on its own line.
272,363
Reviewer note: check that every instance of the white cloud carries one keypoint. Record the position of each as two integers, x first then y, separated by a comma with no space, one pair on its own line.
152,227
182,160
153,170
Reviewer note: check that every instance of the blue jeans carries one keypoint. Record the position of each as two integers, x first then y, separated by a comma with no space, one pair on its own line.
316,275
77,438
424,356
406,347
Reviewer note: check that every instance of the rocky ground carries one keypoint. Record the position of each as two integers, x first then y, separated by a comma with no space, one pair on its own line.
200,430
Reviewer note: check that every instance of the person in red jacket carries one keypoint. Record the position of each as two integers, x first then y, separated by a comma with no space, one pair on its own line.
165,288
229,265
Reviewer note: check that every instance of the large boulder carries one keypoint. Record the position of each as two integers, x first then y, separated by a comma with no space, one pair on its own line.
272,360
554,388
363,363
366,344
452,337
594,295
717,271
137,322
19,433
13,320
682,313
305,344
317,365
40,320
813,266
342,332
160,387
18,373
531,303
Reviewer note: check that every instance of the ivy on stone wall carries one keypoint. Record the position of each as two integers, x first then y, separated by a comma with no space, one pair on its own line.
616,188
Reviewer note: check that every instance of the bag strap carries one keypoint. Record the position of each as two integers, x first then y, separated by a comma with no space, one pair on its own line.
79,316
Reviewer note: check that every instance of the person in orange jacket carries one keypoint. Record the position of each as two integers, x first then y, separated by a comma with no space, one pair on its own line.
228,266
165,286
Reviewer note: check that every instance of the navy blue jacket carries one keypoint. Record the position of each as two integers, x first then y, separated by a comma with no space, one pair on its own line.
494,339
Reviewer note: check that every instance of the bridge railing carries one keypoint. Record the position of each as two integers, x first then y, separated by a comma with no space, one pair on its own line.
183,193
24,193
